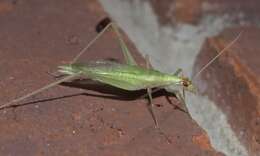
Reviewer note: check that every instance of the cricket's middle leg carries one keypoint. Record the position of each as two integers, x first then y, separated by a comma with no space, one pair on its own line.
149,92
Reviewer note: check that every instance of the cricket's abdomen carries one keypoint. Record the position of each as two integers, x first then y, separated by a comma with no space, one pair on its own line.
123,76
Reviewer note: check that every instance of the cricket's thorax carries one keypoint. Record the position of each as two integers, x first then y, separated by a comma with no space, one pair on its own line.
124,76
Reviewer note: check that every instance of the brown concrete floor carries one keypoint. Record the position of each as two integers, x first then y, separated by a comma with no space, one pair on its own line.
36,37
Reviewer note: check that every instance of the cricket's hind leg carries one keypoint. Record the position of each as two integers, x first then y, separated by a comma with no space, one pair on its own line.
102,24
101,28
56,74
13,102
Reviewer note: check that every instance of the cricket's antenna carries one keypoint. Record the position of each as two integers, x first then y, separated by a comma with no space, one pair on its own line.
220,53
100,32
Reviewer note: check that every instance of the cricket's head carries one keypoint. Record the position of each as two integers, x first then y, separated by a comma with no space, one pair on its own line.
187,84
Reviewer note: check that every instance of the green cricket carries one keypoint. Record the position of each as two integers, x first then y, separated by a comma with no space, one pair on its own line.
127,76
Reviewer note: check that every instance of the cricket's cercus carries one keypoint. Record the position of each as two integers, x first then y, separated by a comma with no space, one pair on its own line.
128,76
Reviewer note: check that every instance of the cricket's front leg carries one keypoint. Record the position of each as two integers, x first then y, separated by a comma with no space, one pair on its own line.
181,98
178,71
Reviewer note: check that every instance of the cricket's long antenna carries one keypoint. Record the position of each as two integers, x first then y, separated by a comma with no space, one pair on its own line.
90,43
12,103
220,53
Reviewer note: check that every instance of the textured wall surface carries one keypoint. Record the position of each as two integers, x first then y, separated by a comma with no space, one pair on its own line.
76,119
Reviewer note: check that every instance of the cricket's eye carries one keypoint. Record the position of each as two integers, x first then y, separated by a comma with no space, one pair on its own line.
185,83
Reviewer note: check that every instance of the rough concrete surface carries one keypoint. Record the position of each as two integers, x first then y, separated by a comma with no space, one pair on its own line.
233,81
36,37
192,12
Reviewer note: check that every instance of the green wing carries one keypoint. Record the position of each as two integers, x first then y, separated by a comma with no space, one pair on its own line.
127,85
119,75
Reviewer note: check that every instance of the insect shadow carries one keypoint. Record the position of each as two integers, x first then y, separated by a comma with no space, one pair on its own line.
111,92
105,91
